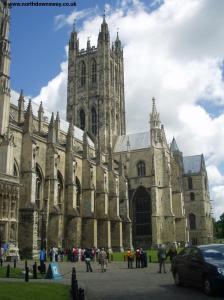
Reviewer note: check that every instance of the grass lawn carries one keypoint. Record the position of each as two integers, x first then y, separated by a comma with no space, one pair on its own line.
34,291
119,256
14,273
17,273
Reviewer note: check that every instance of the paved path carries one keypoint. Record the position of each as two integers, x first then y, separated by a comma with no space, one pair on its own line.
120,283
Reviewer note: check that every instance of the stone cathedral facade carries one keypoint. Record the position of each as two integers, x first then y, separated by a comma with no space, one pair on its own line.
85,182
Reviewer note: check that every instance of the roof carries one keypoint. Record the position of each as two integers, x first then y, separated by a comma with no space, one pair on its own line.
64,125
136,141
192,164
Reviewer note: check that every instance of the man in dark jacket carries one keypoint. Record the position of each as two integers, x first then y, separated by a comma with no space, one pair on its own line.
161,258
88,257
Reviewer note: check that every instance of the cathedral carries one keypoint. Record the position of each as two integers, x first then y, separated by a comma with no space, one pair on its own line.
85,182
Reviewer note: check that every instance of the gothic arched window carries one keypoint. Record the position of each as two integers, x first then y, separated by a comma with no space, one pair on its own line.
15,169
192,196
39,185
190,183
192,221
83,73
60,189
116,79
78,193
94,121
141,168
111,74
205,182
94,71
143,212
82,119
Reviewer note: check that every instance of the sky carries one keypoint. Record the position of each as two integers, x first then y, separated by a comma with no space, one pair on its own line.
173,51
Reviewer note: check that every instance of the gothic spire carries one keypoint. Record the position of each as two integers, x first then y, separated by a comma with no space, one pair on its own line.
74,41
88,47
21,108
173,146
104,34
51,131
28,123
4,67
57,126
40,117
118,44
154,116
154,106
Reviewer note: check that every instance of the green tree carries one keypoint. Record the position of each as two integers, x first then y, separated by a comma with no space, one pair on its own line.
219,227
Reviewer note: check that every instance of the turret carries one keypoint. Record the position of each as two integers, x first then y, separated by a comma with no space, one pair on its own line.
40,117
28,123
155,127
104,35
51,138
71,88
4,67
74,41
177,154
118,48
88,46
21,109
57,126
173,146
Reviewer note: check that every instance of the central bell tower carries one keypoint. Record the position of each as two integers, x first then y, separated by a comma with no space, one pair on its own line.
95,100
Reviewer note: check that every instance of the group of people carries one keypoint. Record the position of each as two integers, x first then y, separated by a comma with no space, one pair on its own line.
162,255
139,256
100,255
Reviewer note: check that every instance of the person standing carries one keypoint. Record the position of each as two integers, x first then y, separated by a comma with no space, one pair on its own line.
130,259
42,257
88,256
138,257
102,259
172,253
161,258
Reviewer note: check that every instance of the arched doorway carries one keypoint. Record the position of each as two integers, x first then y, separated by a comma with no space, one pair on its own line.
142,223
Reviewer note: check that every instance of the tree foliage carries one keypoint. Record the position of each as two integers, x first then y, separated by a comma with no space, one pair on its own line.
219,227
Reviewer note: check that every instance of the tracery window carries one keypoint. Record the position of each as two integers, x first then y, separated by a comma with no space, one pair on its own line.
192,221
94,121
190,183
143,212
82,119
13,209
15,169
192,196
116,79
83,73
39,184
60,189
94,71
78,193
111,74
141,168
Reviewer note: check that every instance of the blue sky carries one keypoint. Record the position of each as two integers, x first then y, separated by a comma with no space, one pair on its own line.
37,47
173,50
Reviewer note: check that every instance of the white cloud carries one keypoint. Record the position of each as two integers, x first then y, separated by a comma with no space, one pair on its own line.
174,53
62,20
217,193
53,95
